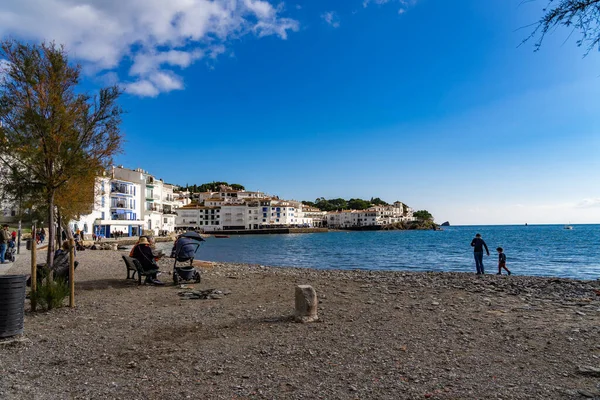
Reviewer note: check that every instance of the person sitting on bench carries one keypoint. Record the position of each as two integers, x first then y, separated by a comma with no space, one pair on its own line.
143,253
60,265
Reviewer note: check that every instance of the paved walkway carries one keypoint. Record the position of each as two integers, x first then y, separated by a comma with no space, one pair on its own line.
4,268
20,258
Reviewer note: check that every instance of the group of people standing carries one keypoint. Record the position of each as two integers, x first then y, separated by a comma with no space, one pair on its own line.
40,236
478,245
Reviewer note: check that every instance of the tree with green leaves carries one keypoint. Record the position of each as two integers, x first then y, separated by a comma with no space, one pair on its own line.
211,187
378,202
581,16
51,133
358,204
423,215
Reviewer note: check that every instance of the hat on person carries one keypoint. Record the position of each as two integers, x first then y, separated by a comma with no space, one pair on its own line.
143,240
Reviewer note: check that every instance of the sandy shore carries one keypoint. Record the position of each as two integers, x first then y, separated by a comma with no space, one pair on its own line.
382,335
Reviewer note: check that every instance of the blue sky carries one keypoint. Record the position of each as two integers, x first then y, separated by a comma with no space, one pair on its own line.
429,102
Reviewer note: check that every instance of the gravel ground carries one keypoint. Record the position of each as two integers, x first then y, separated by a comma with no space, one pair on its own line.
381,335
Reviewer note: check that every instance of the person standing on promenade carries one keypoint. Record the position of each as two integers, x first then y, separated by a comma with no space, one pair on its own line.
4,239
478,244
501,261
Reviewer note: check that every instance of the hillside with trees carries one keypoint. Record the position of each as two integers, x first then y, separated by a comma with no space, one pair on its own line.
341,204
210,187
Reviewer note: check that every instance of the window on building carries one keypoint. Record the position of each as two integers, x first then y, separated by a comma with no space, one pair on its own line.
102,215
103,201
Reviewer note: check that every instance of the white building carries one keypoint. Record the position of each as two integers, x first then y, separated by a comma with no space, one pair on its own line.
117,209
246,212
397,212
129,202
194,216
314,216
351,219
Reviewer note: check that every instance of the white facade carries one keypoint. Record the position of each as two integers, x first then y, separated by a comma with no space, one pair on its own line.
128,202
394,213
198,217
117,209
235,213
351,218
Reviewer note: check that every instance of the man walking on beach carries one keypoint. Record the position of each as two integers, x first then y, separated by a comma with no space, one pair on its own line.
478,245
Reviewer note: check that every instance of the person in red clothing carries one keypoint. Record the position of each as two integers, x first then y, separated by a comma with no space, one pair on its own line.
14,235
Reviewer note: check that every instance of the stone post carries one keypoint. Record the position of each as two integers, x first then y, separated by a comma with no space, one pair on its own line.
306,304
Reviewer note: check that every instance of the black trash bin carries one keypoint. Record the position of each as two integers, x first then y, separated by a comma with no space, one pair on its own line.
28,244
12,304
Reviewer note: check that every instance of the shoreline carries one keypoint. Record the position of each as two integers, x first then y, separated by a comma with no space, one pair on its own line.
5,269
380,335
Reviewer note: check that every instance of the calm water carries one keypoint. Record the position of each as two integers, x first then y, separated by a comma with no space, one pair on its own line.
546,250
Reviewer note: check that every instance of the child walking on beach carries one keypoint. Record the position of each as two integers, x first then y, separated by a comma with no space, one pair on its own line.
501,261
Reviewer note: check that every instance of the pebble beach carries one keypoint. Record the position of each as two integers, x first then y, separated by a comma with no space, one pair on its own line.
380,335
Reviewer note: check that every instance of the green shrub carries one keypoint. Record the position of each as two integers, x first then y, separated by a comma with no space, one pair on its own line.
51,295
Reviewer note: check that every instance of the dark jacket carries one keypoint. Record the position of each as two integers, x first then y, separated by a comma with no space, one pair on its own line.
478,245
143,253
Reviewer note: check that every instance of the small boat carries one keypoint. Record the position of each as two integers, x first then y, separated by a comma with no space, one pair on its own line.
568,227
222,236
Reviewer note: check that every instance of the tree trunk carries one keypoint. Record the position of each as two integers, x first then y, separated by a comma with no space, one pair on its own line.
58,230
51,231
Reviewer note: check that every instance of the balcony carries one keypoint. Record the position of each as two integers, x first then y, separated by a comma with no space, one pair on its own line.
117,191
123,206
122,217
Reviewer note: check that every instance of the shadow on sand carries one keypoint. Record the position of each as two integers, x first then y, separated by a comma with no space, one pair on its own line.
101,284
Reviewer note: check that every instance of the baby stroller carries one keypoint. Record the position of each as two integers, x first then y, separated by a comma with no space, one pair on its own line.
10,252
184,251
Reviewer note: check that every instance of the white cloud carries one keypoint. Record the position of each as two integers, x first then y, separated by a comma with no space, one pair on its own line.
366,2
142,88
331,18
153,37
404,4
589,203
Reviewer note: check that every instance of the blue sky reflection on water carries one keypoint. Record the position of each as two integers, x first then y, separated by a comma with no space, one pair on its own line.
543,250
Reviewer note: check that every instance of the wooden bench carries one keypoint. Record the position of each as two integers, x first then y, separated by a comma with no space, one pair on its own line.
135,266
60,271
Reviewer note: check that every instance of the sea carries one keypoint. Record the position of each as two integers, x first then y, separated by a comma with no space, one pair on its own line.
537,250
